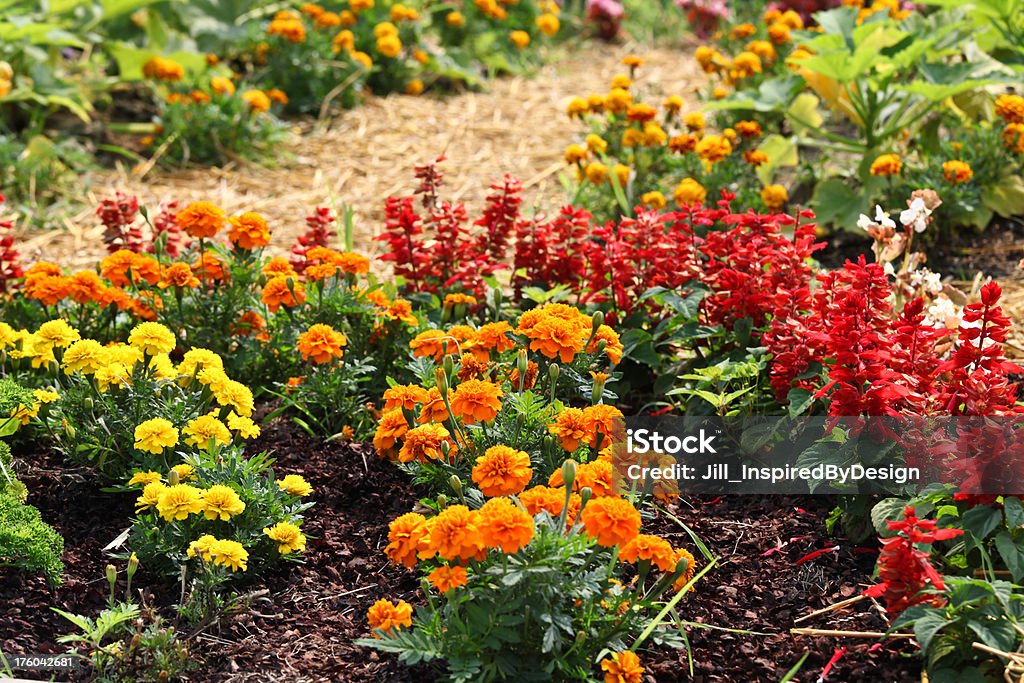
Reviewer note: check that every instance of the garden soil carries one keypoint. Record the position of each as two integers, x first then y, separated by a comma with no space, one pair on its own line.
301,626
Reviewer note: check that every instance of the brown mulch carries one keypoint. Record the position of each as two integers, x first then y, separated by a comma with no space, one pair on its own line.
304,628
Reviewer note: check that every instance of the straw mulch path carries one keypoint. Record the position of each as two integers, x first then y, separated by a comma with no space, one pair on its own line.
518,126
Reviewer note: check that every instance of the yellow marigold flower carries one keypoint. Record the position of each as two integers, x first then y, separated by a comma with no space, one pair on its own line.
162,69
425,443
622,173
792,19
596,144
886,165
631,137
622,667
387,616
574,154
455,19
504,525
406,535
654,135
360,5
230,554
327,20
682,144
184,471
612,521
221,502
344,41
548,24
618,100
243,426
152,338
520,39
654,199
713,148
763,49
291,29
695,121
774,197
653,549
155,435
56,333
205,428
742,31
257,100
144,478
249,231
295,485
621,82
445,578
779,33
673,103
596,172
957,171
1010,108
689,192
502,471
197,359
389,45
414,87
201,219
222,86
745,65
85,356
577,107
455,534
283,291
710,60
719,93
179,501
595,102
150,496
288,537
202,547
321,344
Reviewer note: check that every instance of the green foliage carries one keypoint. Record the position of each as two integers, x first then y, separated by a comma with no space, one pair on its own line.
27,543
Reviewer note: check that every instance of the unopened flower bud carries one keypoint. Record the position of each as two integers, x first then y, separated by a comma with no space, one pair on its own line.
442,381
173,478
111,577
569,473
553,371
448,363
522,366
455,483
133,565
585,493
442,502
597,320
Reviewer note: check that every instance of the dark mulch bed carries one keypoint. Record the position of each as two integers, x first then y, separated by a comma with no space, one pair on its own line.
303,630
996,252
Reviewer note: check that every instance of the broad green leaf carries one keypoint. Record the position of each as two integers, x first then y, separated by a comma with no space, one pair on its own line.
1012,554
836,203
1005,198
927,625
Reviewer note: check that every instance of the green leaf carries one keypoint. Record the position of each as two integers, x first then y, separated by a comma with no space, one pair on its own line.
1014,511
799,401
886,509
1005,198
781,151
927,625
836,203
981,521
1012,554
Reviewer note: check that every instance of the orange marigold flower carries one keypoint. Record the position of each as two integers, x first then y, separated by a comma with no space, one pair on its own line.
713,148
570,427
550,499
404,396
201,219
386,616
257,100
622,667
476,400
612,345
445,578
401,310
886,165
504,525
556,338
278,267
179,275
455,534
249,231
321,344
424,443
749,129
248,323
691,566
755,157
405,534
612,521
209,267
392,426
1013,137
641,112
457,299
527,382
222,86
431,344
600,419
957,171
597,475
502,471
1010,108
277,293
85,287
433,409
124,266
653,549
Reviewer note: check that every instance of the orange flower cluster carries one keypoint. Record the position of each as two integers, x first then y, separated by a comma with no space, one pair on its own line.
46,283
591,425
321,344
560,331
